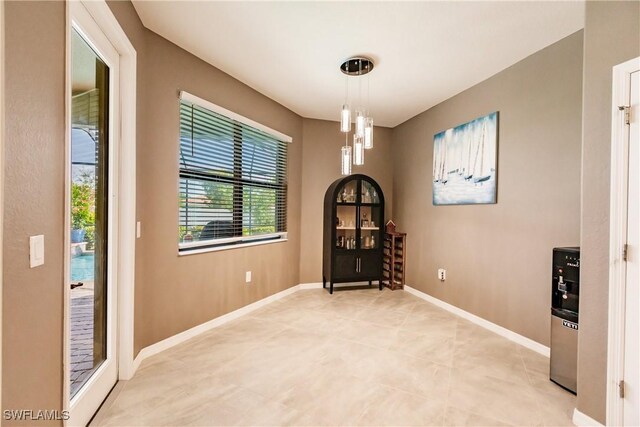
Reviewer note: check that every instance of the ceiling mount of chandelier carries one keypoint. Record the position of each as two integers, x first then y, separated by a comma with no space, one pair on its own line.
356,66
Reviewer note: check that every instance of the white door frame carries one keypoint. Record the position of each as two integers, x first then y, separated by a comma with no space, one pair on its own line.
1,174
124,165
103,16
618,236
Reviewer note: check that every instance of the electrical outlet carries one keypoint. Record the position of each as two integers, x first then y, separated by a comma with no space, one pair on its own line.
442,274
247,277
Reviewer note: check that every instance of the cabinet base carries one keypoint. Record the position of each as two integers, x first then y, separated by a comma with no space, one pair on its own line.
349,288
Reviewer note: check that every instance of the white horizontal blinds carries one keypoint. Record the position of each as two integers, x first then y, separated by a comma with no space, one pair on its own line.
233,179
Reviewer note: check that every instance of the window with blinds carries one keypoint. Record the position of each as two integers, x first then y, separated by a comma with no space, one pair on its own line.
233,179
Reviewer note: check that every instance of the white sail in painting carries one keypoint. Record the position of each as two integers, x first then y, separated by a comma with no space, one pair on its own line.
482,172
468,173
443,166
440,160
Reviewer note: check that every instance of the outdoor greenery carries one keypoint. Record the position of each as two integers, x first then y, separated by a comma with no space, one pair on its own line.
258,208
83,198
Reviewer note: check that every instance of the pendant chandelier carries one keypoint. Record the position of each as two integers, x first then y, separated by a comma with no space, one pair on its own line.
363,134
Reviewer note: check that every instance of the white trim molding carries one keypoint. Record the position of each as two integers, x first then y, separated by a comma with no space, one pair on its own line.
67,213
123,159
211,324
181,337
103,16
583,420
2,27
200,248
188,97
315,285
219,321
96,18
504,332
618,237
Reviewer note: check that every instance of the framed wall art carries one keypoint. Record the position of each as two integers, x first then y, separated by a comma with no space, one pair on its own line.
465,163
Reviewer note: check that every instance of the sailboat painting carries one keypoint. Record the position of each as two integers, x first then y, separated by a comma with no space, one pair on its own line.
464,163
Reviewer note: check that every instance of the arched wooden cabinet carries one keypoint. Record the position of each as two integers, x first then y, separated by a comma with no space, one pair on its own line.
353,231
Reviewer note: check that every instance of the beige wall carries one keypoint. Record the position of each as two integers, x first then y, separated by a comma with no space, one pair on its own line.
498,257
34,191
321,167
611,36
174,293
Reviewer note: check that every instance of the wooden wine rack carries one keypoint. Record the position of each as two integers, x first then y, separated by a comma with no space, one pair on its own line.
394,254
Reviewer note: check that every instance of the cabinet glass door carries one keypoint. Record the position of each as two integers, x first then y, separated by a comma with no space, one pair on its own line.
369,194
346,216
370,218
348,194
346,227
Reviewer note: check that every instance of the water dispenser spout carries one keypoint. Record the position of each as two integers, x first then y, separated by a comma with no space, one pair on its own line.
562,287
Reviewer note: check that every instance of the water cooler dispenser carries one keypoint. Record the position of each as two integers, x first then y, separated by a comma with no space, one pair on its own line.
565,294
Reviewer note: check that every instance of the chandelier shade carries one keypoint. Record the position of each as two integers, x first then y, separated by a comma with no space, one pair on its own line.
345,119
363,132
346,160
358,150
368,134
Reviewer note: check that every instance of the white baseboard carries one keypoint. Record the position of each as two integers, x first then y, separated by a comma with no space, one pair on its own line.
218,321
316,285
504,332
583,420
204,327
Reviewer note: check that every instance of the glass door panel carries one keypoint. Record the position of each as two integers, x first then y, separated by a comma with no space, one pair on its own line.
89,212
369,193
346,227
348,193
370,218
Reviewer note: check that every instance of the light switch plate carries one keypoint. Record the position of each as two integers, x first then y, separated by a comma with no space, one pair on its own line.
138,232
247,277
36,250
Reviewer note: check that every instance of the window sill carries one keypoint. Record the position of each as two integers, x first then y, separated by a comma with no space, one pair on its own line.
194,251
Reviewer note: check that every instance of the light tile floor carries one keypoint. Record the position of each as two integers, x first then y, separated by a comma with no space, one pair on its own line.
352,358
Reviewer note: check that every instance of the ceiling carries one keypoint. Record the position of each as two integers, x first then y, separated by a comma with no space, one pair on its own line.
424,52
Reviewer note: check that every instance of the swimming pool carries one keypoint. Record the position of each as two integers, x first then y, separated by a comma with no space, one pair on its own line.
82,268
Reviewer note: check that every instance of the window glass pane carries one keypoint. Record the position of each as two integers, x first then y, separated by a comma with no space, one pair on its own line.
259,211
259,160
205,147
206,210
